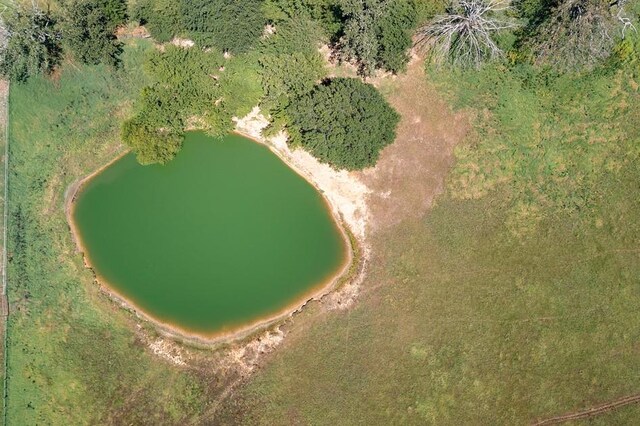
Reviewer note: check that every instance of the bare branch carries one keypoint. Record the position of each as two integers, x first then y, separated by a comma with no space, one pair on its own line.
626,22
464,35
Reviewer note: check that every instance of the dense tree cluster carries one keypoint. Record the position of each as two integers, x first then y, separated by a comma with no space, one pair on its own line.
33,40
228,25
290,66
89,29
266,53
162,18
31,43
377,33
564,35
343,122
577,34
190,88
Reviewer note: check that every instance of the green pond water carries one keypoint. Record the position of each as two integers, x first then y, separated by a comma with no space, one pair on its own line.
223,235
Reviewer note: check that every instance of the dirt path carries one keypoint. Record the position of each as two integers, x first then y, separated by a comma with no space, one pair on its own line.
4,304
590,412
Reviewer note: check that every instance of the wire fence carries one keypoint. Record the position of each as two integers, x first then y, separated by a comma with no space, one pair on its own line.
4,307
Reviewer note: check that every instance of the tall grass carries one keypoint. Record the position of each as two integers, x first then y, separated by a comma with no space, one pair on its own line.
73,358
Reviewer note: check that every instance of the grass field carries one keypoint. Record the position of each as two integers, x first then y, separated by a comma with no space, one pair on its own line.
74,357
459,324
4,115
516,298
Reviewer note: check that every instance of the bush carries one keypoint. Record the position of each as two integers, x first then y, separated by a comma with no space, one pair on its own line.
181,88
326,13
576,34
343,122
290,64
191,88
151,144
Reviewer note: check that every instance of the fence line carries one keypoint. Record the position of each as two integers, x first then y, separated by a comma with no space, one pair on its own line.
5,304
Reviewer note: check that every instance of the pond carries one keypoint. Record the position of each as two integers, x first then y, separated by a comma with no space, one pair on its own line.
224,236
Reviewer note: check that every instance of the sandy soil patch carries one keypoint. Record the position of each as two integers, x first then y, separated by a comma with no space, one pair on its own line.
344,190
411,172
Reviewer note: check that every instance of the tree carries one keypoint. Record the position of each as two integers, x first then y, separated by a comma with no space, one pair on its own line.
162,18
377,33
30,44
191,88
230,25
578,34
394,35
89,29
343,122
151,144
464,36
327,13
290,64
359,43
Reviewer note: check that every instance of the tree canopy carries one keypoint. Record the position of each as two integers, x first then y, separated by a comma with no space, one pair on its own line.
30,43
343,122
190,88
290,66
162,18
229,25
89,29
576,34
327,13
377,33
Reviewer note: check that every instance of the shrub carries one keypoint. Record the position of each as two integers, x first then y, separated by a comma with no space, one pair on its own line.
327,13
162,18
343,122
290,64
191,88
151,144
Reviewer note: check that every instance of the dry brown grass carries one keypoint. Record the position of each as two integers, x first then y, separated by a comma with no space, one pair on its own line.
411,171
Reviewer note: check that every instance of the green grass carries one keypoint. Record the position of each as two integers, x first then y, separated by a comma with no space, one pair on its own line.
73,356
515,299
469,325
3,147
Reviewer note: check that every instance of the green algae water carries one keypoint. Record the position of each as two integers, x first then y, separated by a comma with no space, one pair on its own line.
222,236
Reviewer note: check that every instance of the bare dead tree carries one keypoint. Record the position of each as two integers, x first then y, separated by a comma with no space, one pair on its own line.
4,31
464,35
578,34
625,22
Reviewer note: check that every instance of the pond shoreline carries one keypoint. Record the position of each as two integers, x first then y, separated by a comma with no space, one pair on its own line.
350,264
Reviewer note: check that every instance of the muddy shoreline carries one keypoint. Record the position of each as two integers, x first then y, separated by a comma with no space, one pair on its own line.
350,268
